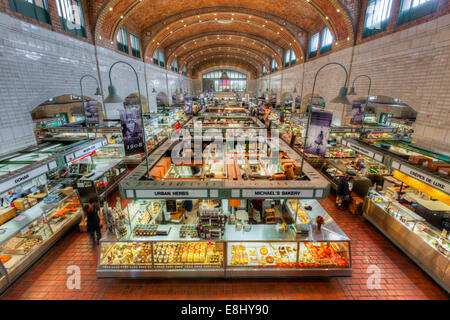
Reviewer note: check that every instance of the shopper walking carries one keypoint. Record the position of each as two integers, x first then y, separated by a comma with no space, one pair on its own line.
343,192
93,227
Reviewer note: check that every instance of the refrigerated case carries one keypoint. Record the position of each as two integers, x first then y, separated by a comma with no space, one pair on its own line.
423,243
262,251
24,239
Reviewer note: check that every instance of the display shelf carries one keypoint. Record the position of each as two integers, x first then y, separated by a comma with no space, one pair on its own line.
420,241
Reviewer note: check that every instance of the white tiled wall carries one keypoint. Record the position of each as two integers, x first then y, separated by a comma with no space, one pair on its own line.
412,65
37,64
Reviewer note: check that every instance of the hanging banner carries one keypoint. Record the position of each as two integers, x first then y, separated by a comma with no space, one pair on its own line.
202,99
91,112
319,130
298,102
133,139
358,112
247,99
188,105
274,99
261,103
174,98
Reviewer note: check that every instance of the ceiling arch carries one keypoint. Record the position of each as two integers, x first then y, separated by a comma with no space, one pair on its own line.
231,60
267,27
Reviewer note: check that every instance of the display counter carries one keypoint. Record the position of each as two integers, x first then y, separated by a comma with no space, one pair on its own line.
426,245
24,239
256,250
99,178
225,111
225,122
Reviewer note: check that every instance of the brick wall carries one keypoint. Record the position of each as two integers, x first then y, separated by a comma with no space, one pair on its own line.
38,64
412,65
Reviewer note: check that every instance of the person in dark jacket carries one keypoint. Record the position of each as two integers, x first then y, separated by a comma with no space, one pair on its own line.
91,212
343,192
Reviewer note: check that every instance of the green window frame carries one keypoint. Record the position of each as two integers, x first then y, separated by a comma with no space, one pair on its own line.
327,41
174,65
378,13
264,70
135,46
274,66
36,9
71,16
155,57
122,40
313,45
411,10
161,58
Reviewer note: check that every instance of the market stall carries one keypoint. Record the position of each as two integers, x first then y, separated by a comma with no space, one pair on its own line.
37,209
415,216
240,213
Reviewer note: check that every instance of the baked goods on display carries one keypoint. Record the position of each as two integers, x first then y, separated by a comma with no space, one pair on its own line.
324,255
264,255
126,255
145,230
5,258
188,231
185,254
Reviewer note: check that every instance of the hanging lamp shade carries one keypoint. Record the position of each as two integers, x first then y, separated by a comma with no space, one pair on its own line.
295,90
342,97
113,97
224,76
98,92
352,92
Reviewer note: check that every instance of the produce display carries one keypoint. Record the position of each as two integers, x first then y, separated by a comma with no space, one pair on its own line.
324,255
263,255
145,230
188,231
188,254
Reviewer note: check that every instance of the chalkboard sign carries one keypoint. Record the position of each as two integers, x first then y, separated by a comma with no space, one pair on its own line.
171,205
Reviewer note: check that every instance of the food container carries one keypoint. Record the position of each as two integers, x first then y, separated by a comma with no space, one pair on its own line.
238,226
247,227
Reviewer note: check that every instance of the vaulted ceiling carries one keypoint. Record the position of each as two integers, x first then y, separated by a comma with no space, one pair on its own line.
243,33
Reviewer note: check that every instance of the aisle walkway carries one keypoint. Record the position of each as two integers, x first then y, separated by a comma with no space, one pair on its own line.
400,277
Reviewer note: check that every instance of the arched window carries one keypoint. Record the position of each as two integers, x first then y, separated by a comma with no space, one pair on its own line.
174,65
264,70
327,41
158,57
313,45
184,70
414,9
122,41
293,58
135,47
31,8
237,81
71,16
274,66
289,58
377,17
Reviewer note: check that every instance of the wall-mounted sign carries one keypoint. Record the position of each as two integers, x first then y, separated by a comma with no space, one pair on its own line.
380,129
178,194
21,178
343,129
287,193
423,177
80,153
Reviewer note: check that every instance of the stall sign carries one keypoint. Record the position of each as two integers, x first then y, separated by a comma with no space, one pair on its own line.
343,129
19,179
380,129
361,150
177,194
283,193
430,180
85,151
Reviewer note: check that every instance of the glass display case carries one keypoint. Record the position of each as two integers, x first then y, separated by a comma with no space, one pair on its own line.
258,251
422,242
32,232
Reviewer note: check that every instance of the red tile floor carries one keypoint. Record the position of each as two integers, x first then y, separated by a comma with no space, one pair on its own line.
400,277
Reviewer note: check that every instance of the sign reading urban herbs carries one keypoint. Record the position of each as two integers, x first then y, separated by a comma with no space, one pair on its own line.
91,112
177,194
133,139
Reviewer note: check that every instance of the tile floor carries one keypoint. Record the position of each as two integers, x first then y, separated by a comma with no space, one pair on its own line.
400,277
